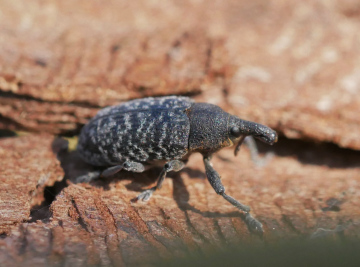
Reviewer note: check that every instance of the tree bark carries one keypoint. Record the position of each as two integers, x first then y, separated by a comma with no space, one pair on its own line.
290,65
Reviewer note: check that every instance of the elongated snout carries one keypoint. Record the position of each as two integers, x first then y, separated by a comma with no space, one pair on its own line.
259,131
266,135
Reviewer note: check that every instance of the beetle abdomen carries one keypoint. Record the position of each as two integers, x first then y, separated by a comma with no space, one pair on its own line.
143,130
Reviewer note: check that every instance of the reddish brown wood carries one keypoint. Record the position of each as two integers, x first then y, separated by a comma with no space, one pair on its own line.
296,71
290,65
310,192
27,167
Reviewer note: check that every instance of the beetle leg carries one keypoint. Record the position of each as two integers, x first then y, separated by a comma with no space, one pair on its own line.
174,165
215,181
132,166
127,165
110,171
254,152
88,177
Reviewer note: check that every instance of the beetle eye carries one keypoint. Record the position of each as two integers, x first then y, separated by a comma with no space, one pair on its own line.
235,131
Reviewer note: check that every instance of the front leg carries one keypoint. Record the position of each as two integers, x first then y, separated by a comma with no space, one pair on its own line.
250,142
215,181
174,165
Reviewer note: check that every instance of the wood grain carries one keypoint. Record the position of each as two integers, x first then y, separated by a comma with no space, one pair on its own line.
290,65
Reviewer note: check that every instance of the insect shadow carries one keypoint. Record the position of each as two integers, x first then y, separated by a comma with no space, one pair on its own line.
74,167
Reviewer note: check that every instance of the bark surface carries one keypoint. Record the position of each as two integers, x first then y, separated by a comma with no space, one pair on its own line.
291,65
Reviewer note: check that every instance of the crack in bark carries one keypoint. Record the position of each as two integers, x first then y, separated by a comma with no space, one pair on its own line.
172,243
27,97
218,230
42,211
80,220
193,229
162,212
151,240
209,52
24,241
112,248
112,219
54,250
286,219
9,122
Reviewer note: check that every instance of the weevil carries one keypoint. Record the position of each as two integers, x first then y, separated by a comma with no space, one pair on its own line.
165,131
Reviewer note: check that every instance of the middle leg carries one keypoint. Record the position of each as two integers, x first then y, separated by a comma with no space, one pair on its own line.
174,165
127,165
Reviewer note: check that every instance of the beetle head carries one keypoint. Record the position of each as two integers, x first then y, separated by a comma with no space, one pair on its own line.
211,129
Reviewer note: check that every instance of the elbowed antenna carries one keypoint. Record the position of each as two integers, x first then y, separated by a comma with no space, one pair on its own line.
237,148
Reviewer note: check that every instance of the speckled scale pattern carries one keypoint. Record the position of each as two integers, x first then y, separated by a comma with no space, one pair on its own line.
142,130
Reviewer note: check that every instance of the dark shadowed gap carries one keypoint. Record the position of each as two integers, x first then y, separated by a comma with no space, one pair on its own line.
3,235
32,98
42,211
309,152
6,133
60,149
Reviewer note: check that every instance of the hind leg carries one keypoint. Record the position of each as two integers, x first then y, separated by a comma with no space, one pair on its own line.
88,177
127,165
174,165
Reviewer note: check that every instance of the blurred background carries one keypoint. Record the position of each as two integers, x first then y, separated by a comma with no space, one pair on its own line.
291,65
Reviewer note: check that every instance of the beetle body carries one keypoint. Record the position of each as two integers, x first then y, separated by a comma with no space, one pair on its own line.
158,129
165,130
145,130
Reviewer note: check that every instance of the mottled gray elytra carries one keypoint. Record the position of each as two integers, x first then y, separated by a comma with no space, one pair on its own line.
164,131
